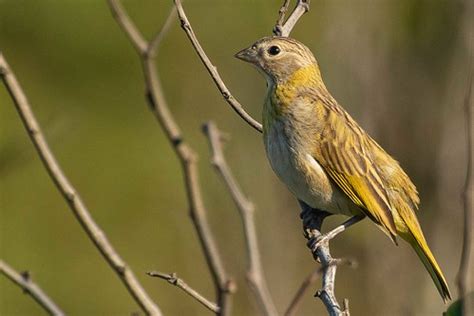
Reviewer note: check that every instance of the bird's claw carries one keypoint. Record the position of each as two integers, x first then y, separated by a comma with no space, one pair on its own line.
315,242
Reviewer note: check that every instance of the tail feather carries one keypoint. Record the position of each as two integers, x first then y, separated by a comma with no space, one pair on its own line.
424,253
409,229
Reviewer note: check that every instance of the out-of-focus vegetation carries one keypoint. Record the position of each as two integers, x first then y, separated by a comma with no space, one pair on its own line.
398,66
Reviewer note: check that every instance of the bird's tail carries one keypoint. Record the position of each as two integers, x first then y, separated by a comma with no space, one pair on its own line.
414,236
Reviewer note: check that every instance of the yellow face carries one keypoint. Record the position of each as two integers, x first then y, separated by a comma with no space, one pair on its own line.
277,57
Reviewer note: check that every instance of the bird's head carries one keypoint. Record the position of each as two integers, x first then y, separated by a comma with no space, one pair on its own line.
278,58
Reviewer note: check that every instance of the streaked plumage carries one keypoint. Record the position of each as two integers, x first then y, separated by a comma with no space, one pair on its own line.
324,157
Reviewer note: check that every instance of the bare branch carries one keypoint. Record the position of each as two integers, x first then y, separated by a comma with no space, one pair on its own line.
156,41
122,18
174,280
280,29
462,278
70,194
213,70
154,92
24,281
246,209
297,299
312,221
281,18
308,281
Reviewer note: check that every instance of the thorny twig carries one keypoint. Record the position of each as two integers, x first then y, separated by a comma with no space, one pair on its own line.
93,231
147,52
174,280
246,209
24,281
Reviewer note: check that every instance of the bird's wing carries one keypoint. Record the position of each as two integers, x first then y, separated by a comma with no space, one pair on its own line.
344,150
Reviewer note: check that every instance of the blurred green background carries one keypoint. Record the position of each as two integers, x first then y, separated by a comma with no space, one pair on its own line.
398,66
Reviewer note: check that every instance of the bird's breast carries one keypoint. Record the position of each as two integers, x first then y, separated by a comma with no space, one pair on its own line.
301,173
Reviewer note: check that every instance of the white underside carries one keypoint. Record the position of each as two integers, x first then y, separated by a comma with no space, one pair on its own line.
303,175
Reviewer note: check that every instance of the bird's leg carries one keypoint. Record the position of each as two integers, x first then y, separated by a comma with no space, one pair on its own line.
315,243
312,221
312,218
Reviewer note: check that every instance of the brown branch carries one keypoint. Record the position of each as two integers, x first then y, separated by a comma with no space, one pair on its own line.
174,280
297,299
246,209
462,278
280,29
213,70
308,281
159,36
24,281
223,284
70,194
281,17
312,222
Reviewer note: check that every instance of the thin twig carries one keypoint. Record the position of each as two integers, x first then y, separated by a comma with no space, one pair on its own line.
312,222
122,18
280,29
308,281
281,18
24,281
223,284
213,70
174,280
462,278
155,41
255,276
298,298
70,194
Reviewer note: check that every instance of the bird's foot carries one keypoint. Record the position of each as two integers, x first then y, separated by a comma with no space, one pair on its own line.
316,242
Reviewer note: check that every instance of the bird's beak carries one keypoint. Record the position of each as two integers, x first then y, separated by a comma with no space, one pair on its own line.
248,54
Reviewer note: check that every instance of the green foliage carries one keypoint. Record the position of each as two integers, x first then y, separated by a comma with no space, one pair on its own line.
455,309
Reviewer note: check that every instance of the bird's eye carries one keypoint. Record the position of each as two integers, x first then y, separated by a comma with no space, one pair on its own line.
254,47
274,50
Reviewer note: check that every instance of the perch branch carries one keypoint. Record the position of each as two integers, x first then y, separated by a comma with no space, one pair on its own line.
213,70
246,209
312,222
24,281
280,29
308,281
174,280
70,194
223,284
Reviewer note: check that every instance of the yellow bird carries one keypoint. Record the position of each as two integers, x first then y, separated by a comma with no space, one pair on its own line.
324,157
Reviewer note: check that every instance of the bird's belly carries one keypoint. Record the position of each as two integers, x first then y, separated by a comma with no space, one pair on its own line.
304,177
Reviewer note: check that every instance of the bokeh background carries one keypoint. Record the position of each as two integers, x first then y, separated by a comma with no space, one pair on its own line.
400,67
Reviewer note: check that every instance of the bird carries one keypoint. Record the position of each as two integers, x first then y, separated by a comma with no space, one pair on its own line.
324,156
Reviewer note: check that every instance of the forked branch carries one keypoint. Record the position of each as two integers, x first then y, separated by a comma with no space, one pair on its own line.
310,280
255,276
77,206
312,222
147,51
284,29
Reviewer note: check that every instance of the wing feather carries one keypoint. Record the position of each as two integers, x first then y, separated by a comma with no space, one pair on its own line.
344,152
